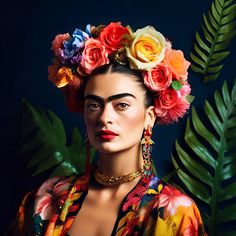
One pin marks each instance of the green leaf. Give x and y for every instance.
(193, 186)
(213, 118)
(197, 146)
(220, 105)
(196, 69)
(227, 193)
(208, 78)
(201, 43)
(207, 159)
(190, 98)
(208, 26)
(176, 85)
(226, 96)
(199, 51)
(195, 168)
(65, 168)
(204, 132)
(197, 60)
(214, 69)
(229, 171)
(45, 146)
(218, 29)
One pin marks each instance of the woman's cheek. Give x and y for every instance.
(134, 118)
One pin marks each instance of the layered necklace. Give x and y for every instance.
(115, 181)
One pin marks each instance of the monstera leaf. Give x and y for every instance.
(45, 146)
(207, 164)
(218, 28)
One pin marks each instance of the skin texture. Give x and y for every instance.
(115, 102)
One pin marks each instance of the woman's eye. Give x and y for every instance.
(93, 106)
(122, 106)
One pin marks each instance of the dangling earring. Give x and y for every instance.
(146, 151)
(88, 156)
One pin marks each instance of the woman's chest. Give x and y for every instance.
(97, 216)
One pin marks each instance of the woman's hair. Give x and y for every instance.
(124, 69)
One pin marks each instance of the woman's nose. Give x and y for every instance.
(107, 114)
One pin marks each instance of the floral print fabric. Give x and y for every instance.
(152, 207)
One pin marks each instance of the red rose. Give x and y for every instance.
(159, 78)
(167, 98)
(112, 36)
(57, 43)
(93, 56)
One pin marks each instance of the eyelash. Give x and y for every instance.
(93, 106)
(97, 107)
(122, 105)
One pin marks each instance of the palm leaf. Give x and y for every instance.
(44, 143)
(210, 48)
(207, 164)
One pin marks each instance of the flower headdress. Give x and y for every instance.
(163, 68)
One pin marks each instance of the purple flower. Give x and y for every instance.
(73, 47)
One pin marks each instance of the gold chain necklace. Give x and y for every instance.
(115, 181)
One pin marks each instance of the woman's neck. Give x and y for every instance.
(120, 163)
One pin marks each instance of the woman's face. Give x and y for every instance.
(114, 112)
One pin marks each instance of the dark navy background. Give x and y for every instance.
(27, 29)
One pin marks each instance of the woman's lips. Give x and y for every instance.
(106, 134)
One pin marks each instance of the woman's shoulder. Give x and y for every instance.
(171, 197)
(56, 184)
(53, 193)
(176, 208)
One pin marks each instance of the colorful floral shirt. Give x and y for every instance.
(152, 207)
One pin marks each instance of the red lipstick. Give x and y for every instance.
(106, 134)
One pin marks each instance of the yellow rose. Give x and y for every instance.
(64, 76)
(147, 49)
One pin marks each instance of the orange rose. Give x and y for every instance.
(112, 36)
(64, 76)
(177, 63)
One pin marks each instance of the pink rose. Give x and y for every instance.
(112, 36)
(185, 90)
(57, 43)
(177, 63)
(93, 56)
(157, 79)
(173, 114)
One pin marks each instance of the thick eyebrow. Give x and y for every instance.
(111, 98)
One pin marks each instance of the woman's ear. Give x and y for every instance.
(150, 117)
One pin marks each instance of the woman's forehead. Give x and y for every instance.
(113, 83)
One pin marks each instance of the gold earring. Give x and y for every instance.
(147, 143)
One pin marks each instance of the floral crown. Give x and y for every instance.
(164, 69)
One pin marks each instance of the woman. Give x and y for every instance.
(123, 82)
